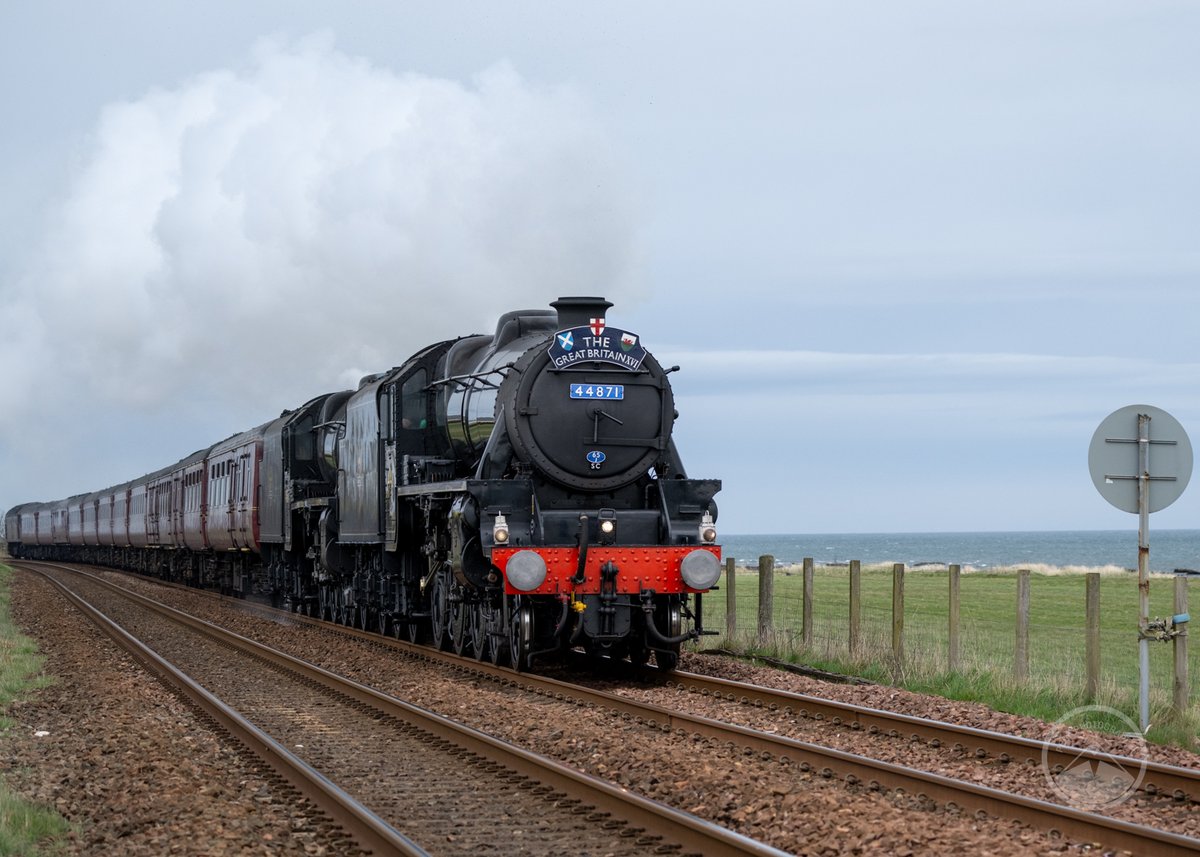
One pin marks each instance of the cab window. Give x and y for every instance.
(414, 401)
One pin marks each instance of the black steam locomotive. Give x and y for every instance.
(509, 496)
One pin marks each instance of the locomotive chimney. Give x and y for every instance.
(579, 311)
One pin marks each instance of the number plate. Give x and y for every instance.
(597, 391)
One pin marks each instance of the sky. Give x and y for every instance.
(907, 255)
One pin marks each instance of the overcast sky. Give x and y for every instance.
(908, 255)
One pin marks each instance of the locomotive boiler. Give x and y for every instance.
(510, 496)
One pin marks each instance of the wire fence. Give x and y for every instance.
(989, 617)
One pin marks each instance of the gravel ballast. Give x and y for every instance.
(224, 800)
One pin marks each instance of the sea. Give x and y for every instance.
(1170, 550)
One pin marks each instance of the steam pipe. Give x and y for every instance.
(562, 623)
(657, 635)
(583, 550)
(562, 620)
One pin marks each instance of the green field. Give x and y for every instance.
(1057, 666)
(23, 827)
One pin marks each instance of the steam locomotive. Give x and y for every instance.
(511, 497)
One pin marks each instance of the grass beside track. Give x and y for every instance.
(25, 829)
(1057, 640)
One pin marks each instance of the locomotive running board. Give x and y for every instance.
(454, 486)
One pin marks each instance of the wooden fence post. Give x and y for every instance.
(1021, 657)
(897, 620)
(806, 634)
(1182, 691)
(855, 608)
(730, 599)
(955, 658)
(1093, 635)
(766, 597)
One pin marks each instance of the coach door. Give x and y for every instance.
(152, 513)
(231, 469)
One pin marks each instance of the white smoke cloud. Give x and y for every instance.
(253, 237)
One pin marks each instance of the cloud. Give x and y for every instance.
(254, 236)
(933, 424)
(949, 372)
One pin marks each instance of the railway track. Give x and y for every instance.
(834, 764)
(437, 781)
(1180, 784)
(859, 770)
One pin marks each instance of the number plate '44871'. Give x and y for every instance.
(597, 391)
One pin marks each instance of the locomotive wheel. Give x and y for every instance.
(439, 610)
(480, 647)
(460, 626)
(341, 610)
(415, 630)
(668, 660)
(499, 651)
(520, 633)
(326, 605)
(498, 636)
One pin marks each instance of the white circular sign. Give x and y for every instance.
(1114, 455)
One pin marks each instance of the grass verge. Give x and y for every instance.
(25, 829)
(1057, 638)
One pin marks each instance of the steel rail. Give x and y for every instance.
(1176, 782)
(1181, 784)
(861, 770)
(855, 769)
(692, 832)
(1159, 778)
(359, 822)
